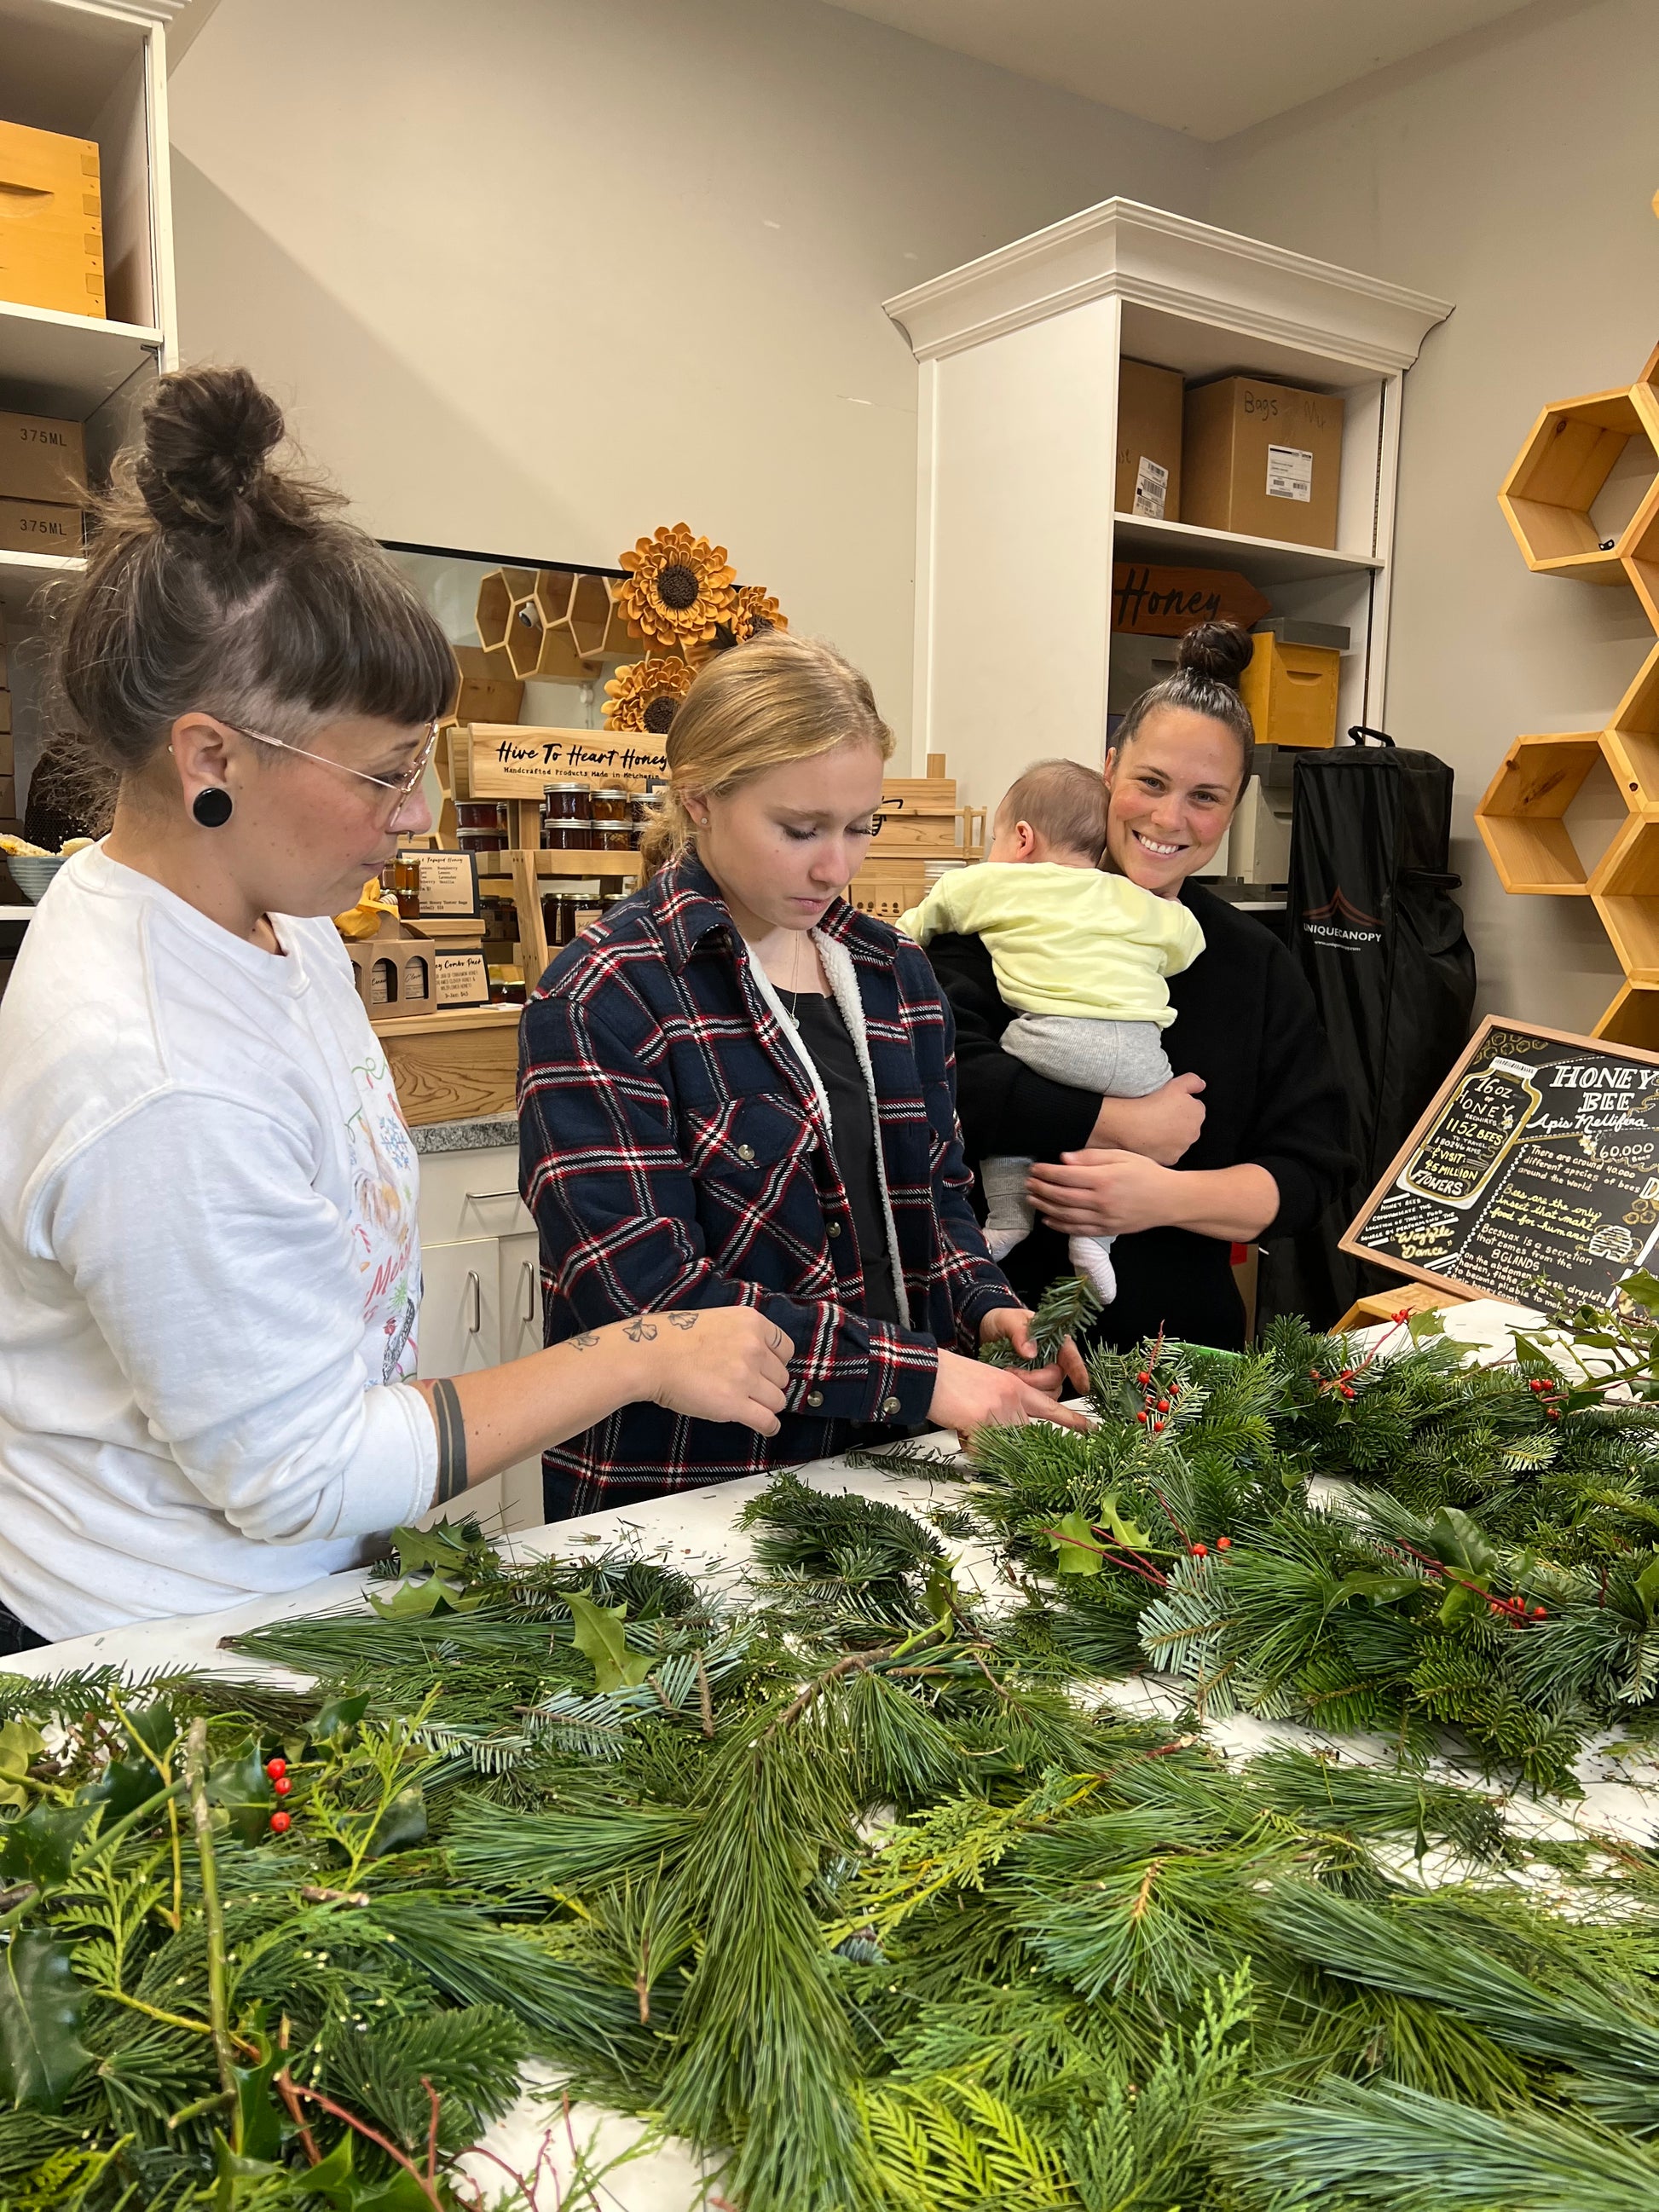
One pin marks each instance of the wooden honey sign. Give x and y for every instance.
(513, 760)
(1152, 602)
(1534, 1175)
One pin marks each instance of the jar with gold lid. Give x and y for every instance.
(613, 820)
(566, 817)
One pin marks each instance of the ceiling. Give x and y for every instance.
(1208, 67)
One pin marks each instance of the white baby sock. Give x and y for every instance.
(1092, 1257)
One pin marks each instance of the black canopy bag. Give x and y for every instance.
(1373, 924)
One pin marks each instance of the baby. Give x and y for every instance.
(1081, 956)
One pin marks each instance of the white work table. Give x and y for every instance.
(697, 1532)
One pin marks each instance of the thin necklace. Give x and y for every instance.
(794, 971)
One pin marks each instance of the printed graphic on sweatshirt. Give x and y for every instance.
(384, 1230)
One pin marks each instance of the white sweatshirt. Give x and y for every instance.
(209, 1270)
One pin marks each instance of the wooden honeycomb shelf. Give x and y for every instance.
(1549, 499)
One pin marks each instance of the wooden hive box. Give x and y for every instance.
(51, 221)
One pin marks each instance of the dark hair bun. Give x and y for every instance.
(1219, 650)
(207, 433)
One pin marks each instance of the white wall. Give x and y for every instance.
(535, 276)
(1509, 172)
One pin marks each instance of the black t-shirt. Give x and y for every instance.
(1245, 1021)
(852, 1131)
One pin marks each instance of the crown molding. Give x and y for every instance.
(1121, 249)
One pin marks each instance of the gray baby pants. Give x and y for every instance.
(1120, 1059)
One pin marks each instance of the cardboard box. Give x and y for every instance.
(5, 732)
(1264, 459)
(8, 743)
(1149, 412)
(41, 458)
(1291, 693)
(7, 797)
(51, 220)
(28, 526)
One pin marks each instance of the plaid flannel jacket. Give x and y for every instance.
(673, 1154)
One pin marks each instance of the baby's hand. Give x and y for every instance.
(1160, 1126)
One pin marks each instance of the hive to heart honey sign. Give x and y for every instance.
(512, 760)
(1149, 602)
(1534, 1175)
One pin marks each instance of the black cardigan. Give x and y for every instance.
(1246, 1023)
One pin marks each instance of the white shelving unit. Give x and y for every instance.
(94, 69)
(1018, 356)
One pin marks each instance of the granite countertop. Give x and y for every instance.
(465, 1136)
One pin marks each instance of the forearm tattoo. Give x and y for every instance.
(452, 1441)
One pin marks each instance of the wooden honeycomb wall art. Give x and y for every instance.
(1549, 500)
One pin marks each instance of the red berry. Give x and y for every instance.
(1538, 1383)
(274, 1767)
(1156, 1426)
(1539, 1614)
(1348, 1391)
(1145, 1376)
(281, 1785)
(1140, 1417)
(1200, 1551)
(1404, 1314)
(1552, 1412)
(1224, 1543)
(280, 1821)
(1162, 1404)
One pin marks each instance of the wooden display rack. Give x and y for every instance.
(921, 822)
(555, 623)
(1548, 499)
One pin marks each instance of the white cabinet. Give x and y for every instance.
(482, 1301)
(1016, 534)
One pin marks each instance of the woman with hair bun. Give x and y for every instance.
(736, 1090)
(1250, 1138)
(210, 1271)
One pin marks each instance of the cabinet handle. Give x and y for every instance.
(528, 1276)
(476, 1292)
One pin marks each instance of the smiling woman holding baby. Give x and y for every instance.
(1068, 994)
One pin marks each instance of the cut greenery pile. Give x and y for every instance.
(854, 1885)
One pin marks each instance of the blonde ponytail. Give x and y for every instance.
(773, 699)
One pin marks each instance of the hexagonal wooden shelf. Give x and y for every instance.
(1562, 471)
(553, 622)
(1633, 1017)
(1631, 740)
(1520, 818)
(1626, 891)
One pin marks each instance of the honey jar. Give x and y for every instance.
(613, 820)
(566, 817)
(559, 918)
(481, 825)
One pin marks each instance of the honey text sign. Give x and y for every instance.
(511, 760)
(1534, 1175)
(1150, 602)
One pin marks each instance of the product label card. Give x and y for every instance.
(449, 884)
(1152, 489)
(459, 978)
(1290, 473)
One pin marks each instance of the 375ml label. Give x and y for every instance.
(31, 527)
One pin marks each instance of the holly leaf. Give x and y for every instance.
(256, 2109)
(338, 1717)
(944, 1599)
(402, 1823)
(1420, 1325)
(121, 1789)
(601, 1638)
(1647, 1587)
(21, 1744)
(1381, 1589)
(40, 1844)
(1129, 1533)
(1643, 1289)
(1461, 1599)
(41, 2056)
(156, 1726)
(240, 2180)
(242, 1785)
(421, 1601)
(1077, 1548)
(447, 1547)
(1457, 1541)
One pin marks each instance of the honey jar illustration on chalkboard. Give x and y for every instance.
(1475, 1128)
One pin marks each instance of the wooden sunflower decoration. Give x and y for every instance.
(754, 611)
(645, 695)
(678, 588)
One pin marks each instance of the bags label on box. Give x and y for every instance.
(1290, 473)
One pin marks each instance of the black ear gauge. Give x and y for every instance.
(211, 806)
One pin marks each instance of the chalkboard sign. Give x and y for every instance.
(1534, 1175)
